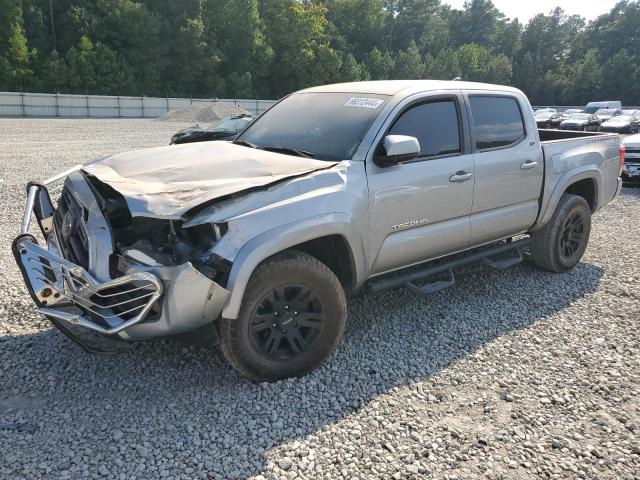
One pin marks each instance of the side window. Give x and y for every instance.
(434, 124)
(497, 121)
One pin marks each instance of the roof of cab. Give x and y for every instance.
(405, 87)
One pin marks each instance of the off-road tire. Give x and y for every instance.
(288, 268)
(546, 244)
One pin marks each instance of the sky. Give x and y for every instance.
(524, 10)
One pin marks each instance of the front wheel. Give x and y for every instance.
(560, 245)
(292, 317)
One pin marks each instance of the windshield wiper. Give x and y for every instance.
(289, 151)
(244, 144)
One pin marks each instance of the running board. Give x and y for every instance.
(409, 277)
(505, 263)
(432, 288)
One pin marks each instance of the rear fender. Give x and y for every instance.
(563, 183)
(286, 236)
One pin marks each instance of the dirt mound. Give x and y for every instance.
(202, 113)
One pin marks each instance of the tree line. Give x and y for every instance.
(268, 48)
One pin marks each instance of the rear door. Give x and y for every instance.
(420, 209)
(509, 166)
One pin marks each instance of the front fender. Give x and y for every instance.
(286, 236)
(588, 172)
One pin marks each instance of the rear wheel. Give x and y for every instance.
(292, 317)
(560, 245)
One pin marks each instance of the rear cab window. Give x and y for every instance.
(435, 124)
(497, 121)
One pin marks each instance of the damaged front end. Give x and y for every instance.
(106, 272)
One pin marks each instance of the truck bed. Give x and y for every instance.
(568, 151)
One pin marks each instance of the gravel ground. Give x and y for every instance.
(513, 375)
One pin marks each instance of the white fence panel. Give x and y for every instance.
(38, 104)
(131, 107)
(15, 104)
(103, 106)
(12, 103)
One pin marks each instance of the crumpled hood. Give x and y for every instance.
(166, 182)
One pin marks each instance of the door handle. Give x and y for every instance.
(460, 176)
(528, 165)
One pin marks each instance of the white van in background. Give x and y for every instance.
(593, 107)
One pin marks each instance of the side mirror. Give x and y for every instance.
(398, 149)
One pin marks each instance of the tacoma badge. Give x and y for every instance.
(411, 224)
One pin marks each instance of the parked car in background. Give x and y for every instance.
(549, 119)
(631, 171)
(622, 124)
(605, 114)
(571, 111)
(593, 107)
(225, 129)
(631, 112)
(581, 121)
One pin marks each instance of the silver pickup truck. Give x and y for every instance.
(341, 188)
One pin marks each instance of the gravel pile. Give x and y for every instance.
(513, 375)
(202, 113)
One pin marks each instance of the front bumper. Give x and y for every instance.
(144, 302)
(68, 292)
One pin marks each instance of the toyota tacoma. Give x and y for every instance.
(342, 188)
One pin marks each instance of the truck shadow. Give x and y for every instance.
(164, 394)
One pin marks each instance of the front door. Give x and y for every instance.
(420, 209)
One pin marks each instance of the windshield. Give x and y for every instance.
(579, 116)
(231, 124)
(327, 125)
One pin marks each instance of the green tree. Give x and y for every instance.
(95, 68)
(358, 26)
(419, 23)
(379, 64)
(446, 65)
(584, 80)
(16, 64)
(235, 30)
(247, 48)
(410, 64)
(297, 33)
(618, 77)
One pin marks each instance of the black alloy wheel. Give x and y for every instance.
(572, 236)
(286, 322)
(292, 316)
(561, 243)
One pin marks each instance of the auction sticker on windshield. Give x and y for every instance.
(363, 102)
